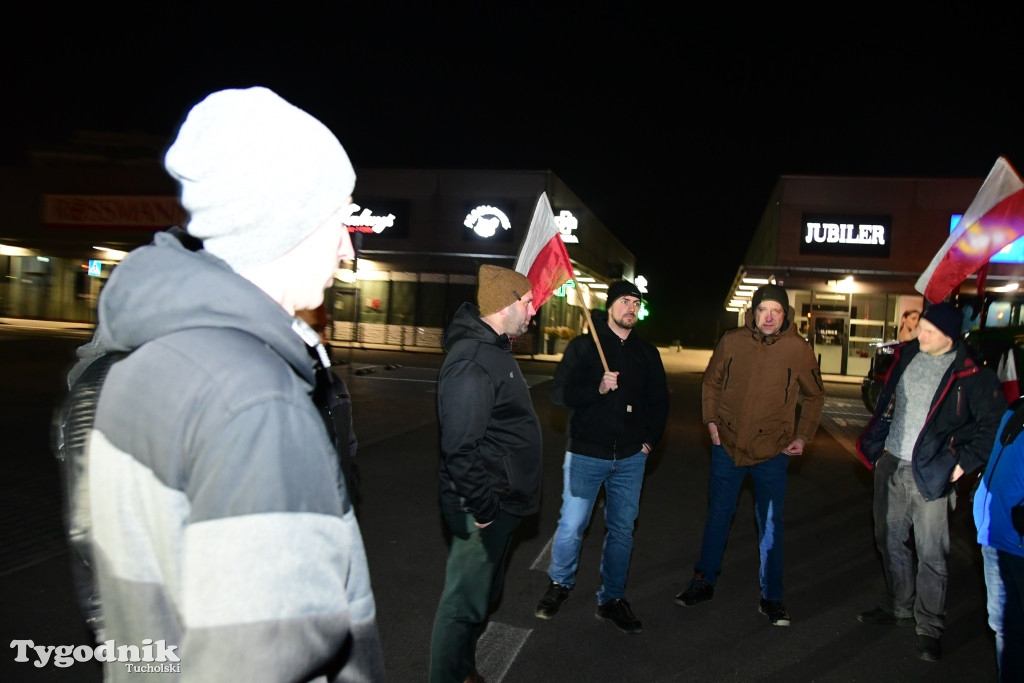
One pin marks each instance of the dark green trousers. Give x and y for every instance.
(473, 582)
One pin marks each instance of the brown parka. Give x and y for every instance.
(762, 391)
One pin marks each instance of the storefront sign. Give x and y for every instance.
(122, 212)
(485, 220)
(566, 223)
(1011, 253)
(366, 222)
(844, 235)
(380, 220)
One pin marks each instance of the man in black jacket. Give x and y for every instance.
(490, 462)
(935, 420)
(617, 415)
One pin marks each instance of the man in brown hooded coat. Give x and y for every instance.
(757, 376)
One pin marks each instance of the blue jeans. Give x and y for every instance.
(899, 508)
(473, 582)
(582, 478)
(996, 595)
(769, 498)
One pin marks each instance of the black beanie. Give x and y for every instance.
(945, 317)
(776, 293)
(622, 288)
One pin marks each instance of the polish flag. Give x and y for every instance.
(543, 257)
(1007, 373)
(993, 220)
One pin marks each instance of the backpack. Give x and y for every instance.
(73, 423)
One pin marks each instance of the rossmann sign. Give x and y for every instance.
(845, 235)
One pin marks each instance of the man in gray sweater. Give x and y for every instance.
(935, 420)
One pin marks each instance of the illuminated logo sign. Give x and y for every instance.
(122, 212)
(566, 223)
(95, 268)
(844, 235)
(1011, 253)
(366, 222)
(485, 221)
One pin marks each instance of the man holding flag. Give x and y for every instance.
(615, 387)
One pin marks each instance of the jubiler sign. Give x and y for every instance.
(841, 235)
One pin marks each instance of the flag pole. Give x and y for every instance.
(593, 330)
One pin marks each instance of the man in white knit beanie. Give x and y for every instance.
(219, 521)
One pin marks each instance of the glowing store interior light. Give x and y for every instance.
(112, 254)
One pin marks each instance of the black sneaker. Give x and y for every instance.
(699, 591)
(879, 617)
(552, 599)
(775, 611)
(929, 648)
(621, 614)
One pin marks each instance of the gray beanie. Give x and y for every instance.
(258, 175)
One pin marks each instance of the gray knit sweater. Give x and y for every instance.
(914, 395)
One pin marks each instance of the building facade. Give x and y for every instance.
(849, 251)
(420, 237)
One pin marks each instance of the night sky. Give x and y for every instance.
(672, 124)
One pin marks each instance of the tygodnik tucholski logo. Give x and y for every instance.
(151, 657)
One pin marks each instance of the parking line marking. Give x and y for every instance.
(543, 559)
(497, 648)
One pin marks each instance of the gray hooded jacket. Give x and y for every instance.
(217, 525)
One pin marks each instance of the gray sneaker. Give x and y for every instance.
(552, 599)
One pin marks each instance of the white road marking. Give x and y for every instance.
(543, 559)
(497, 648)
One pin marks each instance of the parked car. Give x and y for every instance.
(872, 384)
(992, 343)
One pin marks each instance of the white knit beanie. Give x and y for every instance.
(258, 175)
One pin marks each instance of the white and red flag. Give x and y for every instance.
(993, 220)
(1007, 373)
(543, 258)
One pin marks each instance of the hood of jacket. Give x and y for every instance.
(467, 325)
(164, 287)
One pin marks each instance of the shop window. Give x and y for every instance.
(403, 303)
(373, 297)
(457, 294)
(998, 314)
(430, 310)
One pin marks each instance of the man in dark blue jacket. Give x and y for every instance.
(490, 462)
(935, 420)
(617, 416)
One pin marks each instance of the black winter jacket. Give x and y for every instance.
(616, 424)
(490, 435)
(961, 424)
